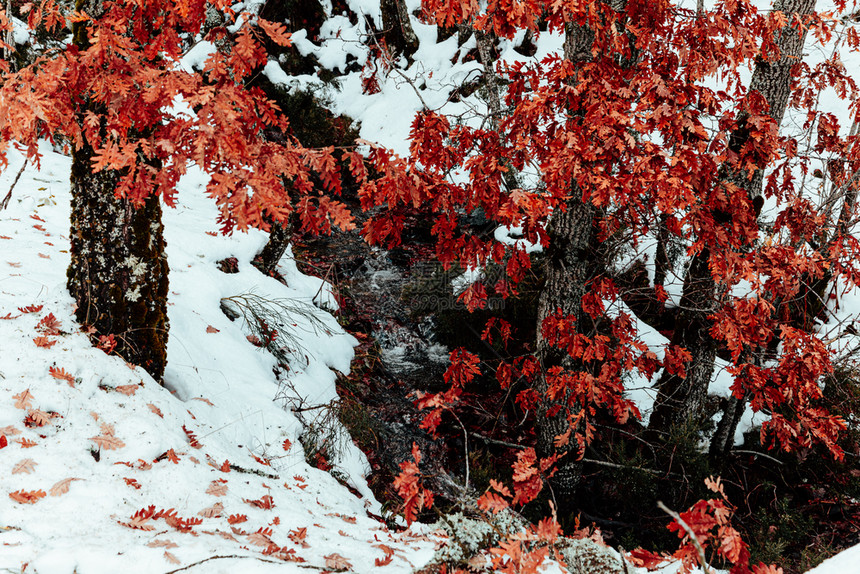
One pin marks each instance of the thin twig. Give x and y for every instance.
(465, 445)
(222, 558)
(584, 459)
(755, 452)
(393, 66)
(702, 561)
(5, 202)
(623, 466)
(496, 441)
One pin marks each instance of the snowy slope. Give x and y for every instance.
(219, 386)
(99, 455)
(847, 562)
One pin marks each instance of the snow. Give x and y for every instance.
(20, 32)
(847, 562)
(218, 386)
(506, 235)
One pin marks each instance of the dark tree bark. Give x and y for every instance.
(118, 270)
(484, 42)
(678, 399)
(397, 28)
(571, 265)
(276, 246)
(682, 398)
(662, 264)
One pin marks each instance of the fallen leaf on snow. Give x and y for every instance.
(345, 518)
(298, 536)
(217, 488)
(62, 375)
(171, 558)
(132, 483)
(108, 442)
(49, 325)
(25, 466)
(337, 562)
(128, 390)
(213, 511)
(38, 418)
(27, 496)
(260, 538)
(44, 342)
(389, 554)
(266, 502)
(62, 487)
(226, 535)
(31, 308)
(138, 523)
(23, 399)
(162, 544)
(155, 409)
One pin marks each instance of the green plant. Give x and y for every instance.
(777, 528)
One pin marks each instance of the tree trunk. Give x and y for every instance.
(680, 400)
(398, 31)
(484, 42)
(571, 264)
(118, 270)
(279, 240)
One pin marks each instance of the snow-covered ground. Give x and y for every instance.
(91, 443)
(105, 470)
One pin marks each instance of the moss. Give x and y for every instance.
(363, 427)
(310, 121)
(777, 528)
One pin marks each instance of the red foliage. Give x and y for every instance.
(409, 487)
(140, 519)
(133, 73)
(646, 140)
(709, 521)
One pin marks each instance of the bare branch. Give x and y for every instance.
(5, 203)
(690, 533)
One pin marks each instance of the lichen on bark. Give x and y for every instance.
(118, 269)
